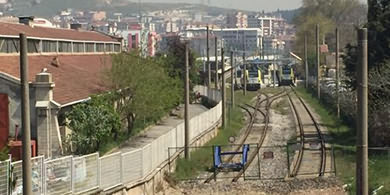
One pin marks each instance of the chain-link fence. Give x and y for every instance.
(263, 163)
(310, 160)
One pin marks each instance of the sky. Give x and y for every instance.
(251, 5)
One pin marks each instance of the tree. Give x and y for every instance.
(329, 14)
(175, 61)
(379, 70)
(143, 89)
(92, 123)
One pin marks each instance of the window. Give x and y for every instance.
(9, 45)
(78, 47)
(32, 46)
(117, 48)
(99, 47)
(89, 47)
(64, 47)
(49, 46)
(109, 47)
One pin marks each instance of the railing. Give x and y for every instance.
(83, 174)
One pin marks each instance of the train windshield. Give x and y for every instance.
(238, 73)
(286, 71)
(253, 74)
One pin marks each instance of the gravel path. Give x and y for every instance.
(317, 186)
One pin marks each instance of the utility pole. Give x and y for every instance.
(223, 90)
(274, 67)
(186, 106)
(306, 64)
(244, 62)
(208, 58)
(26, 138)
(337, 73)
(216, 63)
(244, 73)
(362, 134)
(318, 61)
(232, 76)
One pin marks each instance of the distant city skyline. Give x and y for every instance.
(250, 5)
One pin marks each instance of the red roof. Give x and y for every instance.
(52, 33)
(77, 77)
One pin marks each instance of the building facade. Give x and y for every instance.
(65, 68)
(248, 39)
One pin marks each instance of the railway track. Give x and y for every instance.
(242, 139)
(269, 101)
(256, 109)
(306, 121)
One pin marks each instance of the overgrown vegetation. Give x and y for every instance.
(343, 139)
(143, 89)
(93, 123)
(379, 71)
(329, 14)
(201, 158)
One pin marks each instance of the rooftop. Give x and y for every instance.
(12, 29)
(76, 77)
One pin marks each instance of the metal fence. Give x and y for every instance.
(83, 174)
(4, 177)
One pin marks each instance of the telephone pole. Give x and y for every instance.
(362, 122)
(223, 90)
(26, 138)
(274, 68)
(208, 58)
(306, 64)
(244, 73)
(216, 63)
(318, 61)
(337, 73)
(232, 76)
(186, 106)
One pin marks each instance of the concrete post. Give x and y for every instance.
(186, 106)
(274, 68)
(362, 122)
(216, 63)
(337, 73)
(318, 61)
(244, 73)
(232, 76)
(208, 59)
(223, 90)
(26, 138)
(306, 64)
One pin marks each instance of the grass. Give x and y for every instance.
(201, 158)
(271, 90)
(343, 140)
(281, 107)
(123, 137)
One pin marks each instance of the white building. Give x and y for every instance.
(249, 39)
(272, 25)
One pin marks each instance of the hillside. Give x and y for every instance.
(49, 8)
